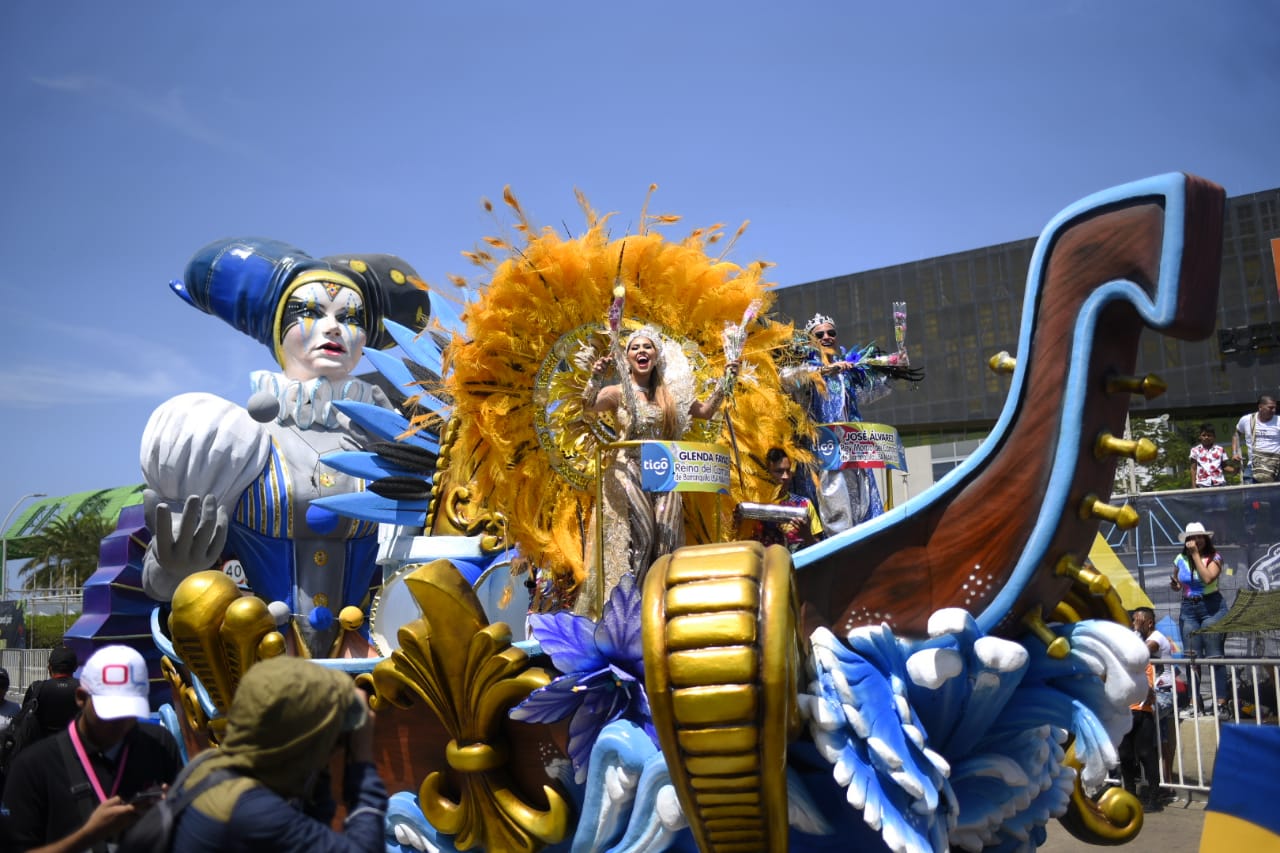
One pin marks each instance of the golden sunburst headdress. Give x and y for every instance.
(516, 377)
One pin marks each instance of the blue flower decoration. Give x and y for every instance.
(603, 666)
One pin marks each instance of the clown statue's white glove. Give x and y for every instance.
(181, 543)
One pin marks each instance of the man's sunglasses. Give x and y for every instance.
(829, 333)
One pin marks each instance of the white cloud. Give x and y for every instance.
(92, 364)
(167, 110)
(44, 386)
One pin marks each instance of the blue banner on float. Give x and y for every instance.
(684, 466)
(859, 445)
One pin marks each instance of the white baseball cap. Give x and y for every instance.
(117, 681)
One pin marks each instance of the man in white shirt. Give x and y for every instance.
(1260, 433)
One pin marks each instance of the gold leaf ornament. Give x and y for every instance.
(467, 672)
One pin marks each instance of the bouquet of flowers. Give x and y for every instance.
(896, 365)
(735, 337)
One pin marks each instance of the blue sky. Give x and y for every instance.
(852, 136)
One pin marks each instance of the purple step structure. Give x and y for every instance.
(115, 609)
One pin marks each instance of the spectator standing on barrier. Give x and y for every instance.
(1208, 470)
(1260, 434)
(1195, 574)
(1207, 459)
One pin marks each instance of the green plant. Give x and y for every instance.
(47, 631)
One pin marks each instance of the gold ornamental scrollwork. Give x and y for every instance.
(456, 509)
(1115, 817)
(469, 675)
(462, 515)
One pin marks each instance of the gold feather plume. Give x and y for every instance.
(516, 386)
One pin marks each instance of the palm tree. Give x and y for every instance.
(65, 551)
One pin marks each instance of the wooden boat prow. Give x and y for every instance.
(990, 536)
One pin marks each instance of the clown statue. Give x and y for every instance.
(231, 483)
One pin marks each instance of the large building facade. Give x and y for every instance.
(964, 308)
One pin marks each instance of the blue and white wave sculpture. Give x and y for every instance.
(954, 743)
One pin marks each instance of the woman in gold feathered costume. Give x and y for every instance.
(526, 436)
(650, 402)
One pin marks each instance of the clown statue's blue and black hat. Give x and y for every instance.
(246, 281)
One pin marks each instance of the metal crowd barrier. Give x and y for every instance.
(1251, 697)
(24, 666)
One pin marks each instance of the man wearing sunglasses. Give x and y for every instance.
(830, 384)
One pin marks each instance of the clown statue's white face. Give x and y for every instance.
(323, 331)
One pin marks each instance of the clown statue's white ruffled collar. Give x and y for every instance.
(308, 403)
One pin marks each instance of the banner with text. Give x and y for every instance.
(13, 628)
(684, 466)
(860, 445)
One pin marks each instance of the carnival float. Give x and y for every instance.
(548, 675)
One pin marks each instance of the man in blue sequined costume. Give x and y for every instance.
(830, 384)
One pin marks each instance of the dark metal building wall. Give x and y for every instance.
(964, 308)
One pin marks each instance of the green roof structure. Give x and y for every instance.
(37, 515)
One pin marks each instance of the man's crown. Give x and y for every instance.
(818, 320)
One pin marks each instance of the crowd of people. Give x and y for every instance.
(1197, 571)
(94, 773)
(1254, 454)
